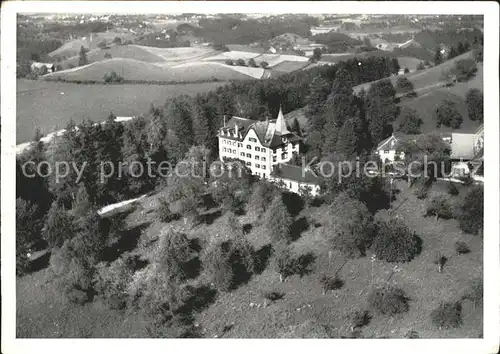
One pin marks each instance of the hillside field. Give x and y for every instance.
(51, 105)
(134, 70)
(425, 78)
(72, 47)
(303, 311)
(116, 51)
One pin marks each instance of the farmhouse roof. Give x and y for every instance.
(39, 65)
(295, 173)
(462, 146)
(395, 140)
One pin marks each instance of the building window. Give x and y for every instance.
(284, 148)
(234, 143)
(256, 157)
(224, 149)
(257, 165)
(253, 140)
(248, 163)
(284, 155)
(386, 151)
(234, 152)
(257, 148)
(263, 158)
(263, 150)
(263, 175)
(274, 158)
(263, 167)
(249, 147)
(242, 154)
(240, 145)
(249, 156)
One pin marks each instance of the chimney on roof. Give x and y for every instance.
(224, 120)
(236, 130)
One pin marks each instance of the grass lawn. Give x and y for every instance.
(51, 105)
(426, 104)
(303, 311)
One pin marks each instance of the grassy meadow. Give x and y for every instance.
(51, 105)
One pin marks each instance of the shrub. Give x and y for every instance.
(461, 247)
(356, 318)
(22, 261)
(411, 334)
(73, 273)
(164, 212)
(388, 299)
(330, 283)
(439, 207)
(467, 180)
(474, 291)
(283, 261)
(111, 281)
(217, 264)
(421, 191)
(351, 227)
(278, 221)
(28, 223)
(447, 315)
(452, 189)
(252, 63)
(161, 298)
(102, 44)
(447, 114)
(475, 106)
(229, 62)
(406, 70)
(421, 66)
(112, 77)
(107, 55)
(470, 211)
(173, 254)
(404, 85)
(240, 62)
(264, 64)
(70, 66)
(117, 40)
(394, 242)
(59, 226)
(261, 197)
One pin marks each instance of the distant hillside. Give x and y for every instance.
(72, 47)
(143, 53)
(426, 105)
(425, 78)
(118, 51)
(134, 70)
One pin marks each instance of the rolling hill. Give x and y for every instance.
(426, 78)
(139, 71)
(72, 47)
(143, 53)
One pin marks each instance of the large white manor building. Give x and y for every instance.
(264, 146)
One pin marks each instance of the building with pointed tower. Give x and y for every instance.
(262, 146)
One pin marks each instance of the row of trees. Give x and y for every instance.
(251, 63)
